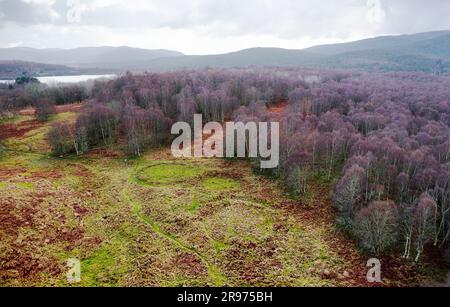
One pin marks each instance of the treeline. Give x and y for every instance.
(137, 111)
(31, 93)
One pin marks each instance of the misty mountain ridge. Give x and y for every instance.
(425, 52)
(14, 69)
(85, 57)
(381, 42)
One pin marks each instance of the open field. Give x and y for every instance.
(157, 221)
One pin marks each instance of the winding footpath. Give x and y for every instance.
(216, 276)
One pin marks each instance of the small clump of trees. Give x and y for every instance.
(62, 139)
(96, 125)
(44, 108)
(100, 124)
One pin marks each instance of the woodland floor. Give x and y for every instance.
(157, 221)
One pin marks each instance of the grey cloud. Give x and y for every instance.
(282, 18)
(20, 12)
(412, 16)
(287, 20)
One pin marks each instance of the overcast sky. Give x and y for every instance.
(212, 26)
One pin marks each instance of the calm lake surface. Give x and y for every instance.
(66, 79)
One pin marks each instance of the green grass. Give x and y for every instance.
(63, 117)
(195, 205)
(17, 119)
(168, 173)
(217, 278)
(25, 185)
(220, 184)
(106, 266)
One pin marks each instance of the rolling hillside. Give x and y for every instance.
(424, 52)
(87, 57)
(382, 42)
(13, 69)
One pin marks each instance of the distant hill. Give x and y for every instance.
(86, 57)
(425, 52)
(13, 69)
(243, 58)
(382, 42)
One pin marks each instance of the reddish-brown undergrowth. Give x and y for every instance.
(8, 131)
(279, 108)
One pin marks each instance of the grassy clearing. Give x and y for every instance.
(155, 221)
(134, 224)
(167, 173)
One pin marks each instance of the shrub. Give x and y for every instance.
(44, 109)
(376, 226)
(61, 139)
